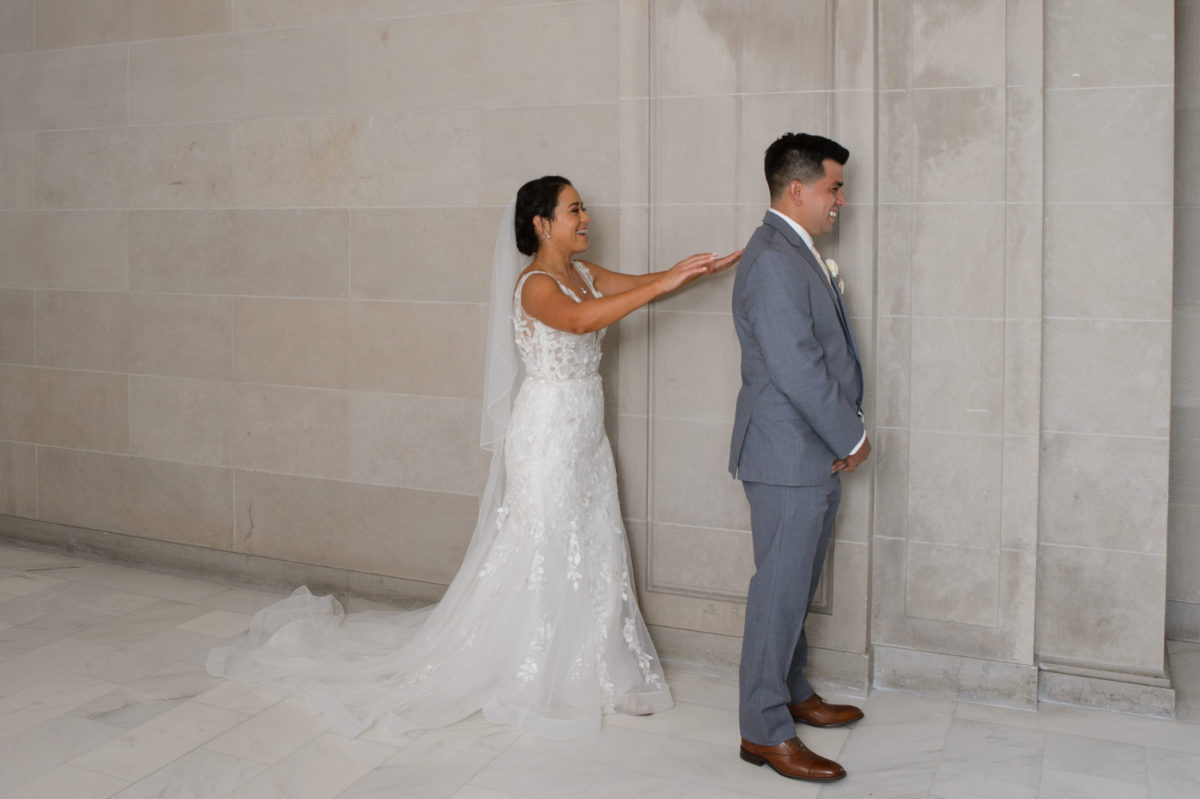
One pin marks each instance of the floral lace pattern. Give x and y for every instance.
(540, 627)
(549, 354)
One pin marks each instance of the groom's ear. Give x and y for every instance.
(796, 192)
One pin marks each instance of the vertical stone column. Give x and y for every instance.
(1107, 353)
(960, 156)
(1183, 551)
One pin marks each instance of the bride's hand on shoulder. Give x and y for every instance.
(721, 264)
(685, 271)
(694, 266)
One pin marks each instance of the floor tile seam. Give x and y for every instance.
(105, 685)
(12, 789)
(136, 592)
(250, 718)
(1042, 718)
(127, 783)
(1087, 769)
(271, 701)
(270, 598)
(194, 751)
(941, 759)
(71, 669)
(1026, 731)
(1090, 776)
(985, 777)
(1129, 740)
(633, 768)
(697, 781)
(266, 764)
(57, 590)
(129, 733)
(129, 639)
(345, 764)
(469, 780)
(174, 762)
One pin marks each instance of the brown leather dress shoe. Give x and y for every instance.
(794, 760)
(816, 712)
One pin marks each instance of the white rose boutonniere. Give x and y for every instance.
(832, 266)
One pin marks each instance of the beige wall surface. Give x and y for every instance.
(245, 252)
(721, 62)
(244, 261)
(1183, 553)
(1106, 386)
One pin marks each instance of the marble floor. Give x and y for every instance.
(103, 694)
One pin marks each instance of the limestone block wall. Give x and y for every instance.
(244, 255)
(1183, 552)
(245, 252)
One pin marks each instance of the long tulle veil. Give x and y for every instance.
(501, 364)
(352, 667)
(501, 375)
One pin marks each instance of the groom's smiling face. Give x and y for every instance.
(821, 200)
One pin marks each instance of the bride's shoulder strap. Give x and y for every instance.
(517, 304)
(526, 276)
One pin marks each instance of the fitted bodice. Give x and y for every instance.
(551, 354)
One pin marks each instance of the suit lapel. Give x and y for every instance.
(806, 255)
(844, 316)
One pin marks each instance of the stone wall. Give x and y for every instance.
(244, 251)
(1183, 554)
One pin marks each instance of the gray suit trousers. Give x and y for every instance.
(791, 527)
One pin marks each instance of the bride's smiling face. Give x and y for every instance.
(568, 228)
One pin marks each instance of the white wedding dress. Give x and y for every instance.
(540, 628)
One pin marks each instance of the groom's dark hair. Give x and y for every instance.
(538, 197)
(799, 156)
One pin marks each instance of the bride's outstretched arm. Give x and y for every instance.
(610, 282)
(542, 299)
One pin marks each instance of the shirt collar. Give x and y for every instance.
(801, 232)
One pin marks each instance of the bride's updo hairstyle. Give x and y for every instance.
(538, 197)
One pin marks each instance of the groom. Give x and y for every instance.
(798, 426)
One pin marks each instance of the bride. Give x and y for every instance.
(540, 628)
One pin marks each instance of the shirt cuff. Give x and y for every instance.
(858, 446)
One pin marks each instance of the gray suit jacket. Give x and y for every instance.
(802, 382)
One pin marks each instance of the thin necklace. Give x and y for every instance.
(580, 285)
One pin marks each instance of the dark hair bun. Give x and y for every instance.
(538, 197)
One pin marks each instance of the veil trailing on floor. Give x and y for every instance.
(307, 645)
